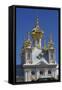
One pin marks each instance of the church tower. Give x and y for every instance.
(37, 34)
(51, 50)
(27, 51)
(27, 57)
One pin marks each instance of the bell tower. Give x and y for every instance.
(27, 51)
(51, 50)
(37, 34)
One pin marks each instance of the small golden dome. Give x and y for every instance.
(36, 33)
(27, 43)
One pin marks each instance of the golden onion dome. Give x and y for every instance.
(36, 33)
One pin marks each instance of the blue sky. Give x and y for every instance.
(25, 21)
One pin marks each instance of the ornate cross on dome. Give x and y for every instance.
(37, 21)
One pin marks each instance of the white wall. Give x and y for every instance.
(4, 44)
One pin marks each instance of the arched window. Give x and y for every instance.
(33, 72)
(49, 71)
(41, 72)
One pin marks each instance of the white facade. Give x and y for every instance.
(40, 71)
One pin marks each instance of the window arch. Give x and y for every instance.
(33, 72)
(41, 72)
(49, 71)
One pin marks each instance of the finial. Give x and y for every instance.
(51, 40)
(51, 43)
(37, 21)
(28, 35)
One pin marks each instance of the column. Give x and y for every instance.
(46, 73)
(40, 43)
(29, 75)
(25, 57)
(37, 74)
(26, 76)
(54, 74)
